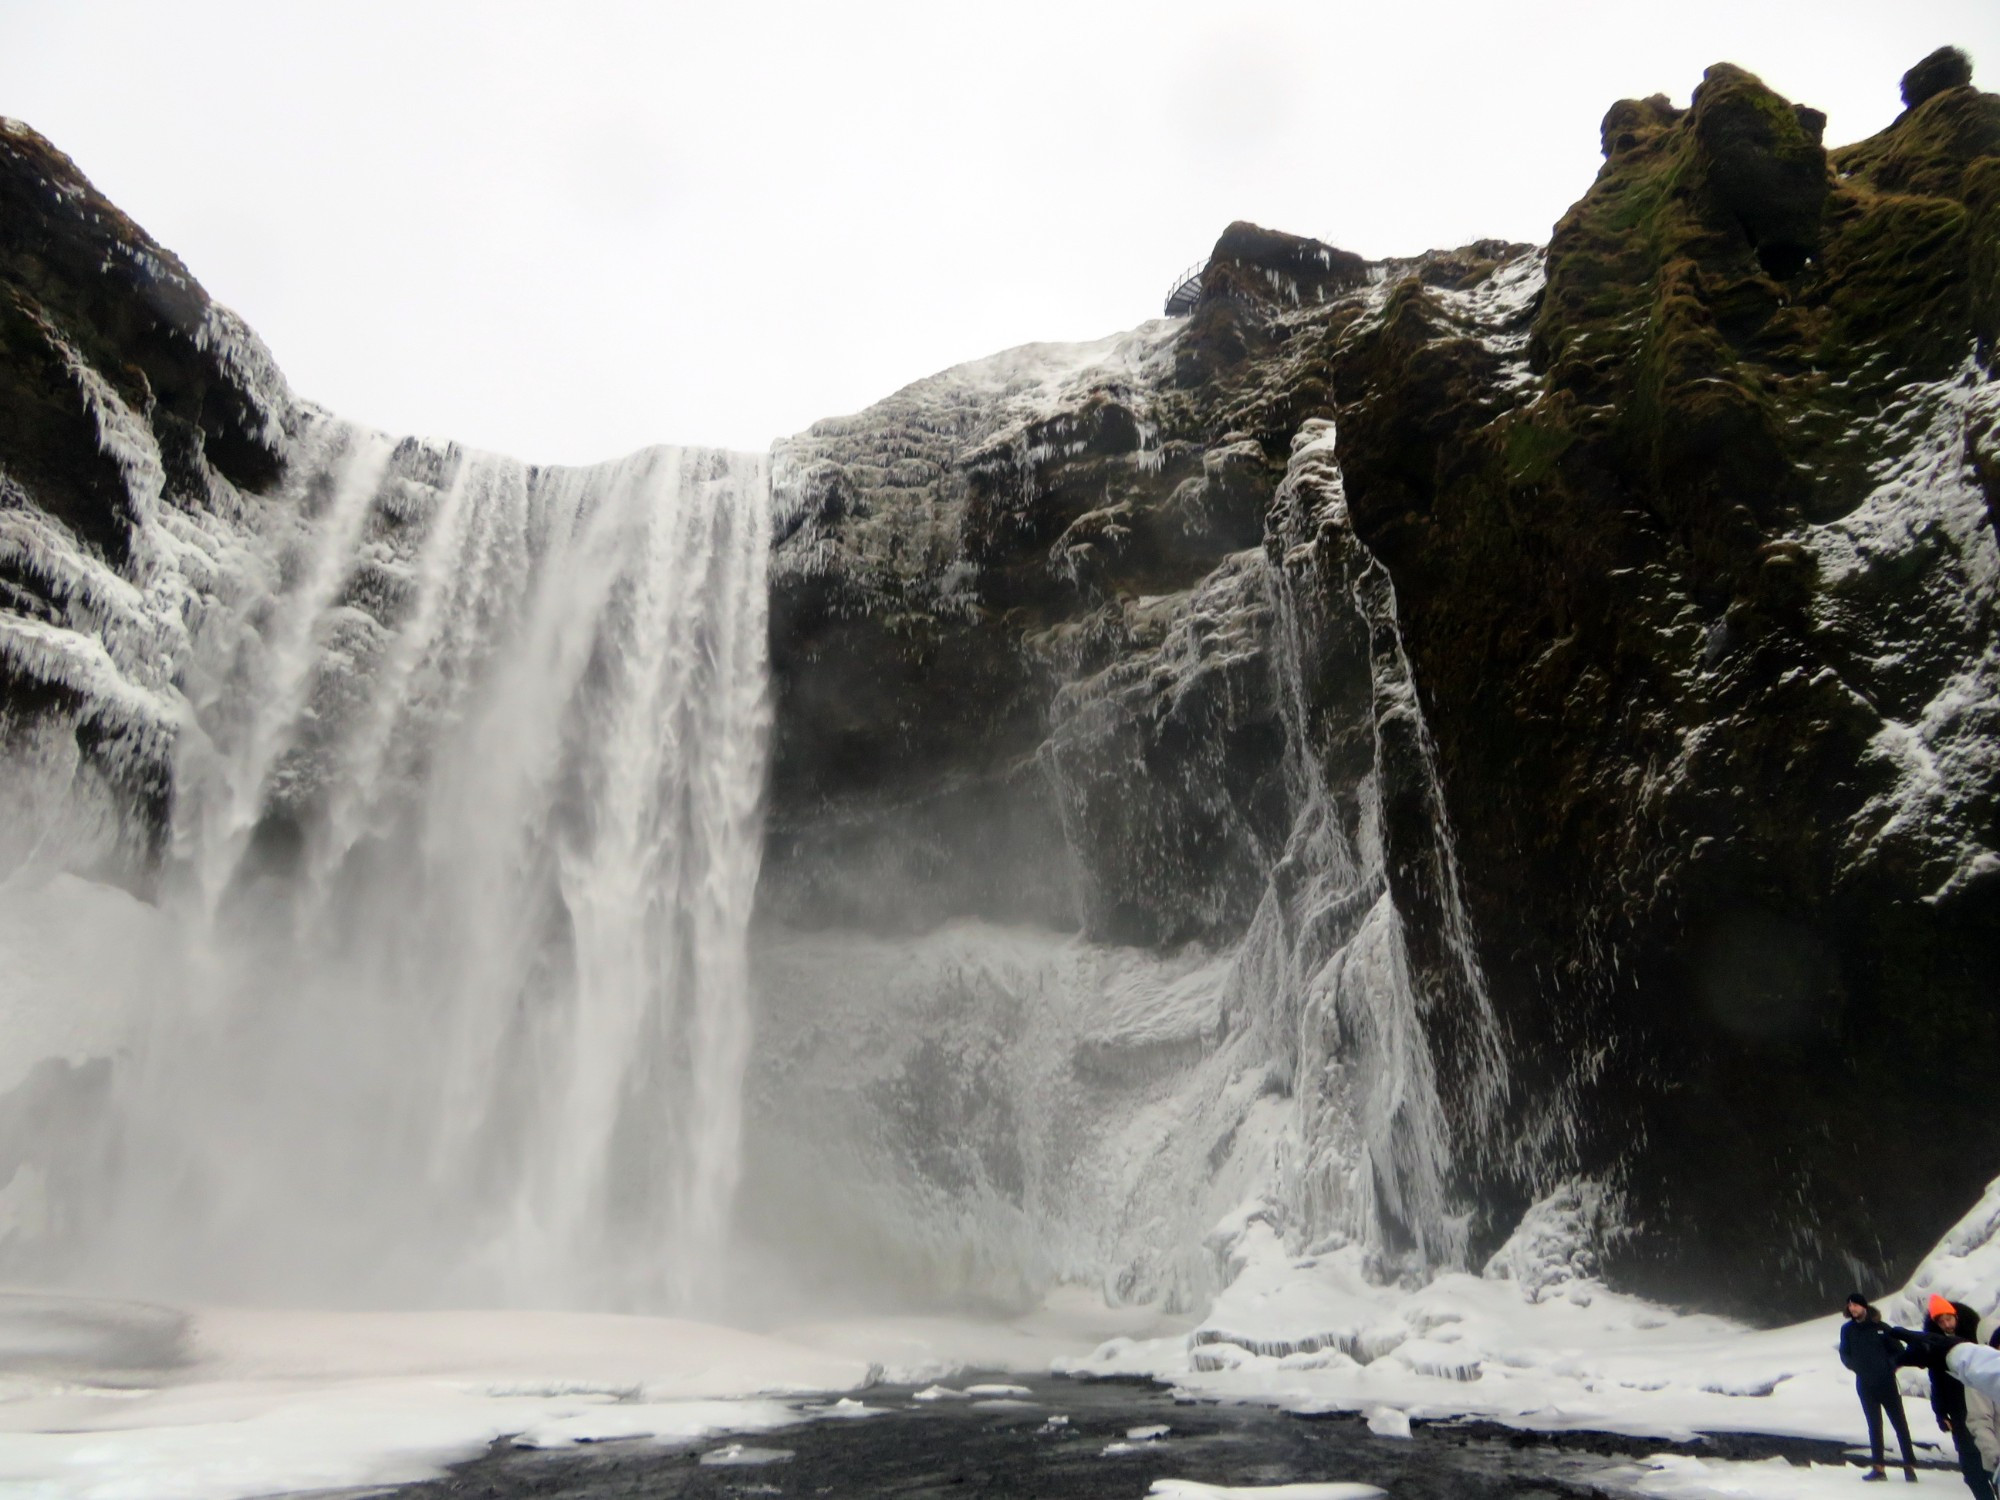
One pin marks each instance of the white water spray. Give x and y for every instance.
(465, 842)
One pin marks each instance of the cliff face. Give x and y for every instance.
(134, 415)
(999, 598)
(1705, 623)
(1691, 556)
(1528, 715)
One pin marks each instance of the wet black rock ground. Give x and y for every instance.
(959, 1450)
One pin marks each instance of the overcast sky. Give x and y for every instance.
(565, 231)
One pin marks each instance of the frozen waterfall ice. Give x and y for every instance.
(464, 842)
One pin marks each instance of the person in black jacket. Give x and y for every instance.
(1872, 1351)
(1946, 1325)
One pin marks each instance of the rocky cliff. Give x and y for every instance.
(1549, 694)
(1690, 552)
(1704, 616)
(135, 414)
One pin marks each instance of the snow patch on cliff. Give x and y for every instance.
(248, 362)
(1964, 1266)
(902, 455)
(1926, 512)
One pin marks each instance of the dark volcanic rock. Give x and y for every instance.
(86, 287)
(1019, 673)
(1946, 68)
(1671, 629)
(1187, 710)
(103, 333)
(1764, 165)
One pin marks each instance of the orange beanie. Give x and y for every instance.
(1941, 1307)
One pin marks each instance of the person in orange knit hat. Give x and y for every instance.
(1946, 1325)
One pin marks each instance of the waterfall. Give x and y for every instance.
(463, 841)
(1360, 965)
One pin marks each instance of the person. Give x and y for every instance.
(1872, 1350)
(1948, 1325)
(1982, 1420)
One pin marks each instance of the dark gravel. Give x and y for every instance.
(959, 1450)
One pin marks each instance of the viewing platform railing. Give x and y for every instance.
(1187, 290)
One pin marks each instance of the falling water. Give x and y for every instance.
(464, 843)
(1398, 1067)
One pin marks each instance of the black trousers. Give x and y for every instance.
(1876, 1399)
(1970, 1464)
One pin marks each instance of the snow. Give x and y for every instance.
(80, 664)
(1931, 665)
(1709, 1479)
(265, 1402)
(244, 357)
(970, 415)
(1498, 313)
(1314, 1334)
(274, 1401)
(1555, 1350)
(1964, 1265)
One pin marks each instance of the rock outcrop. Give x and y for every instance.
(110, 353)
(1706, 632)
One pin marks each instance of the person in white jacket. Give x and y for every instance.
(1982, 1411)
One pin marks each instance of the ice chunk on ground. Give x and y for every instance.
(736, 1455)
(846, 1409)
(1387, 1421)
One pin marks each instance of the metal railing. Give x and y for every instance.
(1187, 289)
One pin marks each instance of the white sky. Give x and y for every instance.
(564, 231)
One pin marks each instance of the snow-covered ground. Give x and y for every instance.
(1538, 1345)
(102, 1400)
